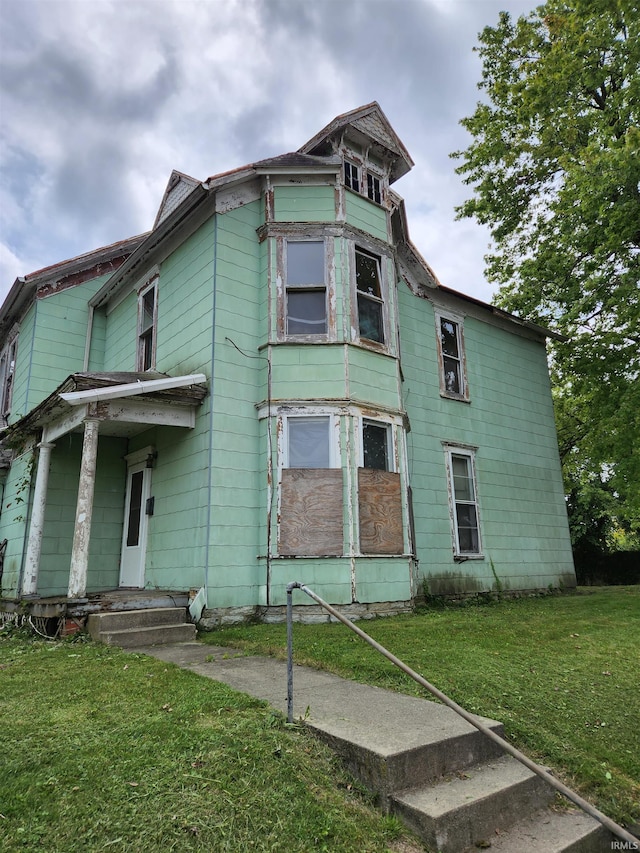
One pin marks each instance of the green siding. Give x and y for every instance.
(304, 203)
(121, 335)
(510, 420)
(373, 377)
(366, 215)
(13, 517)
(306, 372)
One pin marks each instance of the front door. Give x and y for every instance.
(134, 536)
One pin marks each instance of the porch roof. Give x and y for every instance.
(159, 399)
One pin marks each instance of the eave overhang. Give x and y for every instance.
(125, 403)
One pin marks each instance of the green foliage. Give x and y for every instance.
(561, 672)
(555, 169)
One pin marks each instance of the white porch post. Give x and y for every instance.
(84, 511)
(34, 545)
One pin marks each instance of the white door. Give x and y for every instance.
(134, 535)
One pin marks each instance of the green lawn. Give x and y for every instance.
(107, 751)
(561, 672)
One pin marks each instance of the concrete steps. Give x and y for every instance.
(149, 627)
(451, 784)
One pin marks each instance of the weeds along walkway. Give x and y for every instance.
(451, 784)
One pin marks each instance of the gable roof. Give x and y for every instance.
(368, 126)
(62, 275)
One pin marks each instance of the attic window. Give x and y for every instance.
(451, 357)
(374, 188)
(351, 176)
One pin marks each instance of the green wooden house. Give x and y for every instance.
(271, 386)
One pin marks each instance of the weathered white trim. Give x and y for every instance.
(148, 412)
(65, 424)
(34, 545)
(131, 389)
(84, 511)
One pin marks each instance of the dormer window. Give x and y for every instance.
(351, 176)
(374, 191)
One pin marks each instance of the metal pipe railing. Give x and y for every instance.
(613, 827)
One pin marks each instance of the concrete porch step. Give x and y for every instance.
(151, 626)
(465, 810)
(551, 831)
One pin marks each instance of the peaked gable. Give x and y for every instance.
(178, 188)
(368, 126)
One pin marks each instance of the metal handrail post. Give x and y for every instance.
(606, 821)
(290, 588)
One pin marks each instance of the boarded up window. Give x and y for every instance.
(311, 512)
(380, 507)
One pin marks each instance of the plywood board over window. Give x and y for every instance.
(380, 508)
(311, 512)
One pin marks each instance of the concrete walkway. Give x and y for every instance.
(370, 717)
(451, 784)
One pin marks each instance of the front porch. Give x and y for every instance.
(59, 616)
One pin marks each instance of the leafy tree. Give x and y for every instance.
(555, 169)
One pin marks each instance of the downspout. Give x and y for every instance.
(211, 403)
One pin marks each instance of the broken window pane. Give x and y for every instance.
(451, 361)
(373, 188)
(375, 444)
(351, 177)
(309, 442)
(370, 303)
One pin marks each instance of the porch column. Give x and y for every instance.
(84, 511)
(34, 545)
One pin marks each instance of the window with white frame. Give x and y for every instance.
(309, 442)
(369, 296)
(147, 326)
(376, 445)
(311, 489)
(464, 502)
(453, 381)
(306, 289)
(374, 188)
(7, 372)
(351, 176)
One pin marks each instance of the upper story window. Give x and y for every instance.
(351, 176)
(7, 372)
(369, 294)
(453, 381)
(306, 289)
(464, 502)
(374, 189)
(147, 326)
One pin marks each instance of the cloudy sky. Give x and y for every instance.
(101, 99)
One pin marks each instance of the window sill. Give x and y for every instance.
(462, 558)
(461, 398)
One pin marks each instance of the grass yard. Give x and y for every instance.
(107, 751)
(561, 672)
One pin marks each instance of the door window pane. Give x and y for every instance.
(135, 509)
